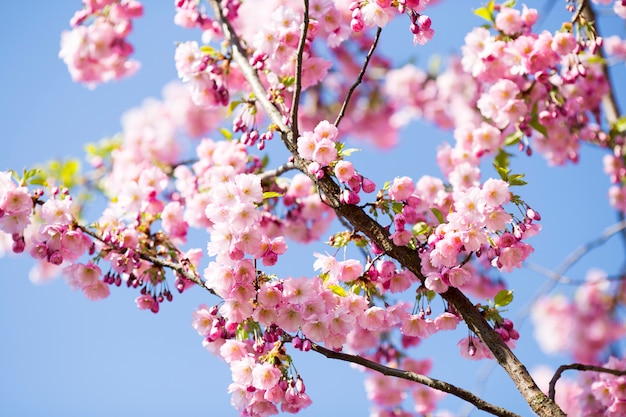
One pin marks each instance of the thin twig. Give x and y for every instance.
(415, 377)
(289, 166)
(359, 79)
(559, 274)
(578, 367)
(609, 102)
(177, 267)
(241, 57)
(295, 103)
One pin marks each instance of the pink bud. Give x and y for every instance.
(368, 185)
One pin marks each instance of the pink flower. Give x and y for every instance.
(349, 270)
(372, 319)
(447, 321)
(325, 152)
(16, 200)
(509, 21)
(306, 145)
(242, 370)
(80, 276)
(344, 171)
(326, 130)
(375, 15)
(56, 211)
(173, 222)
(265, 376)
(416, 326)
(145, 302)
(96, 291)
(401, 189)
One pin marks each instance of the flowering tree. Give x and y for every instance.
(406, 259)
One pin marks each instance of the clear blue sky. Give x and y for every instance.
(62, 355)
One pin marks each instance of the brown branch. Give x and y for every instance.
(361, 221)
(241, 57)
(609, 102)
(289, 166)
(177, 267)
(578, 367)
(359, 78)
(418, 378)
(295, 103)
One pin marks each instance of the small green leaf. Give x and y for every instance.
(232, 106)
(209, 50)
(271, 194)
(516, 179)
(501, 163)
(349, 151)
(484, 13)
(420, 228)
(228, 135)
(620, 125)
(397, 207)
(337, 289)
(437, 214)
(503, 298)
(513, 138)
(534, 123)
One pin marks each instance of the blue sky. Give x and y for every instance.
(62, 355)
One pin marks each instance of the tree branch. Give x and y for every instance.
(609, 102)
(359, 78)
(578, 367)
(177, 267)
(538, 401)
(293, 117)
(241, 58)
(415, 377)
(289, 166)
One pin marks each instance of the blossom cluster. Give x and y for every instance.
(366, 14)
(96, 49)
(586, 320)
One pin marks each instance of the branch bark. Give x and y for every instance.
(538, 401)
(609, 102)
(579, 367)
(415, 377)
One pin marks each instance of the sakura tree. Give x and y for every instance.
(244, 188)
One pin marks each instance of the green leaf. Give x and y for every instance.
(620, 125)
(349, 151)
(534, 123)
(271, 194)
(209, 50)
(503, 298)
(420, 228)
(437, 214)
(516, 179)
(486, 12)
(397, 207)
(501, 164)
(513, 138)
(228, 135)
(232, 106)
(337, 289)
